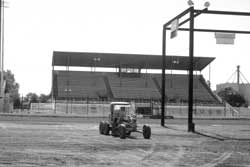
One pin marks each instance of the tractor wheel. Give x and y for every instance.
(101, 125)
(122, 131)
(146, 131)
(106, 128)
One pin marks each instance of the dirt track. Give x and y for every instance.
(58, 143)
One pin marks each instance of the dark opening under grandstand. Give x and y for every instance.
(130, 79)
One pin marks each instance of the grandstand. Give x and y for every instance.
(126, 82)
(104, 86)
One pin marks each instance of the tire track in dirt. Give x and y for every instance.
(153, 152)
(219, 160)
(175, 159)
(2, 126)
(150, 152)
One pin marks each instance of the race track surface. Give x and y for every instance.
(57, 141)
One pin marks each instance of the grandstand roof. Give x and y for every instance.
(114, 60)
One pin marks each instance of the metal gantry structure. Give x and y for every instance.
(192, 14)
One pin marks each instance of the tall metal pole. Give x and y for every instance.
(163, 97)
(1, 82)
(2, 66)
(191, 64)
(163, 77)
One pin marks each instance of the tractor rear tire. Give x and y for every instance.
(101, 125)
(106, 128)
(122, 131)
(146, 131)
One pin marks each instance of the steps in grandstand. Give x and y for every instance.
(107, 84)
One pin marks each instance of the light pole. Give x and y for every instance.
(2, 6)
(96, 59)
(1, 60)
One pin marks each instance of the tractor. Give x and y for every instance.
(122, 121)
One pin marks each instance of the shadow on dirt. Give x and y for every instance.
(221, 137)
(129, 137)
(210, 135)
(172, 128)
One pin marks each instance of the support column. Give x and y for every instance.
(191, 126)
(163, 77)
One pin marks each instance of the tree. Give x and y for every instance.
(44, 98)
(232, 97)
(32, 98)
(12, 88)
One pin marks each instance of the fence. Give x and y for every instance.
(198, 111)
(102, 109)
(81, 109)
(6, 106)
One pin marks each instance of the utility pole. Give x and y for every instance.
(1, 60)
(238, 75)
(2, 6)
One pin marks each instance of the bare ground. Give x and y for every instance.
(37, 142)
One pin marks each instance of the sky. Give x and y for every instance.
(36, 28)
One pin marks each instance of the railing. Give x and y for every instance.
(227, 106)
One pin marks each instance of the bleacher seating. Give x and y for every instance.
(97, 85)
(177, 88)
(75, 84)
(133, 88)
